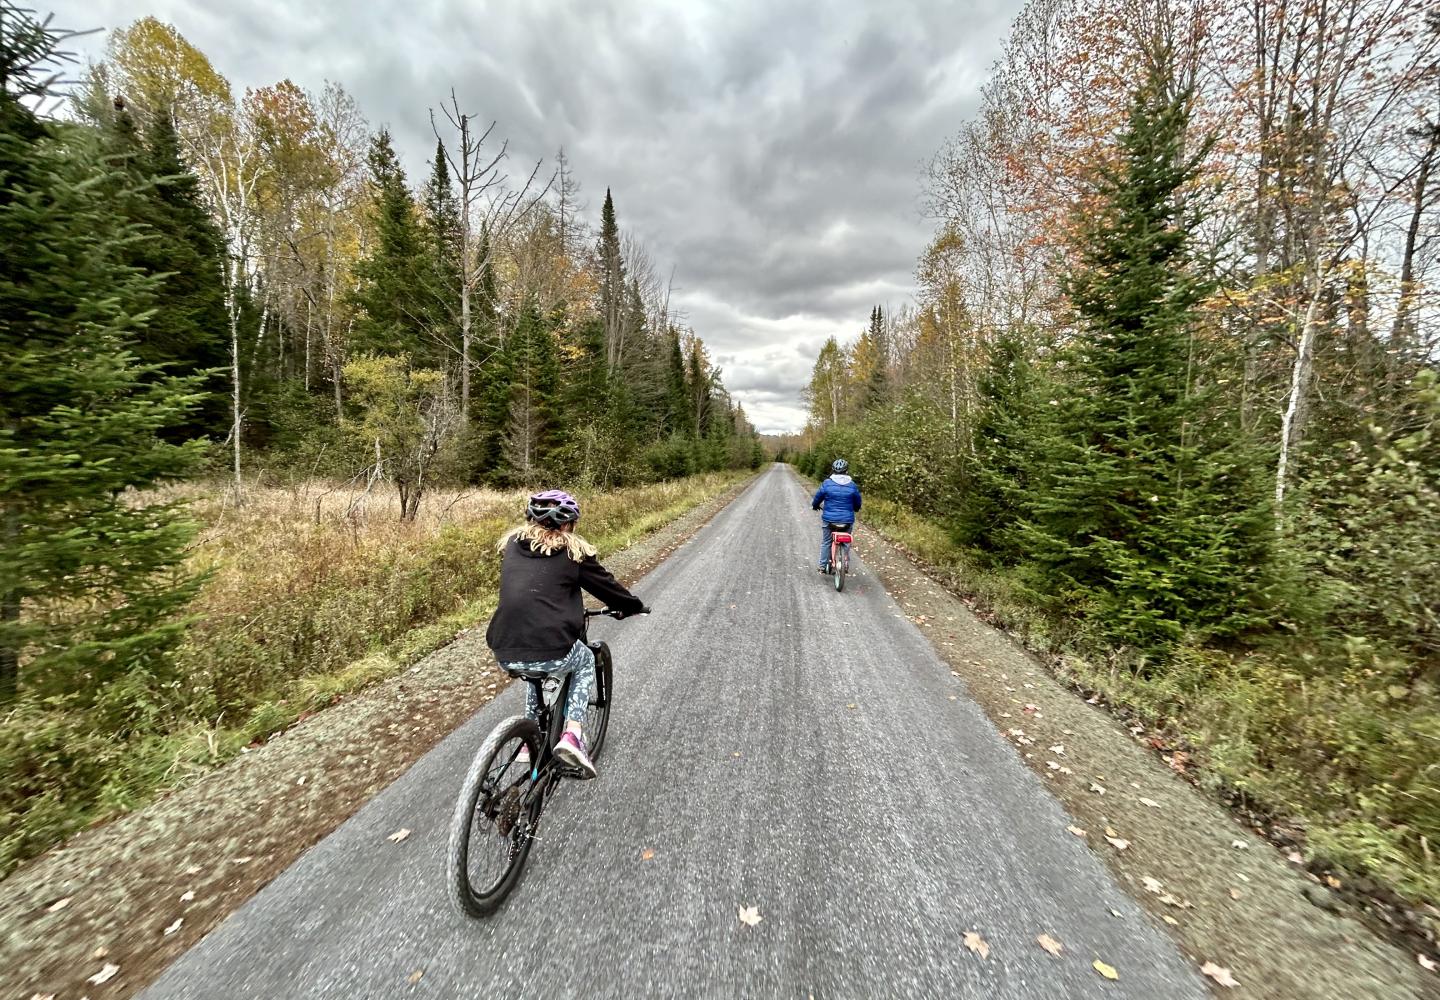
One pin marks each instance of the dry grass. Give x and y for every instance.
(313, 592)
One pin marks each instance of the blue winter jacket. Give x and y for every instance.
(837, 499)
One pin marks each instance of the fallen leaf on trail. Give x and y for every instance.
(100, 953)
(1093, 700)
(1426, 962)
(188, 896)
(1118, 843)
(1053, 765)
(398, 835)
(1169, 920)
(952, 697)
(104, 975)
(42, 996)
(1076, 830)
(301, 780)
(1065, 770)
(193, 870)
(1108, 971)
(1236, 894)
(646, 854)
(1239, 845)
(1179, 904)
(977, 944)
(1295, 858)
(1150, 802)
(1058, 750)
(1153, 885)
(173, 927)
(1221, 976)
(750, 915)
(1068, 732)
(58, 905)
(242, 861)
(1332, 881)
(1050, 944)
(414, 977)
(1099, 789)
(851, 705)
(735, 754)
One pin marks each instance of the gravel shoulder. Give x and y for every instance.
(139, 891)
(1226, 895)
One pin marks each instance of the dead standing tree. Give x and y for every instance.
(488, 209)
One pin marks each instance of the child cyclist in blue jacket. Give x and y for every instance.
(838, 500)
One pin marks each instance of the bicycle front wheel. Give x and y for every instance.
(495, 817)
(597, 713)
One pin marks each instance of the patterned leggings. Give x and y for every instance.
(580, 662)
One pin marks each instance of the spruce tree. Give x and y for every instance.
(443, 238)
(612, 281)
(392, 293)
(530, 429)
(680, 418)
(97, 577)
(1143, 507)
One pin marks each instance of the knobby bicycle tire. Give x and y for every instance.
(466, 898)
(597, 715)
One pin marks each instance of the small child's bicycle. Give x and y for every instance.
(840, 540)
(497, 816)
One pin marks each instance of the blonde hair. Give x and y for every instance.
(548, 540)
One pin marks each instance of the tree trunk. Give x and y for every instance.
(1292, 423)
(235, 423)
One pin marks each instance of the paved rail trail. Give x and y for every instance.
(776, 745)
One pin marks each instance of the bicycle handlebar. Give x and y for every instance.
(608, 613)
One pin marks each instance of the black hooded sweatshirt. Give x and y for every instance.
(541, 613)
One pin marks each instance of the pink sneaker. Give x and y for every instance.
(571, 749)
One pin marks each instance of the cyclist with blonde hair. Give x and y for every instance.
(540, 620)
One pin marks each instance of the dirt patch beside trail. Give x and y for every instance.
(1226, 895)
(139, 891)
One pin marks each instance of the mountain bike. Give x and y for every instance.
(840, 540)
(497, 817)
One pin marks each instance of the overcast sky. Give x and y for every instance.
(771, 156)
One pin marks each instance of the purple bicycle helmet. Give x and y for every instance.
(553, 508)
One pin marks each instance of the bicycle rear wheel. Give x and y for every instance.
(491, 831)
(842, 566)
(597, 714)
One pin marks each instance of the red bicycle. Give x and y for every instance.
(840, 541)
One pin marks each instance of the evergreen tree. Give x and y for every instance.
(151, 187)
(612, 282)
(680, 417)
(98, 579)
(879, 374)
(1142, 507)
(443, 238)
(392, 294)
(530, 428)
(1011, 415)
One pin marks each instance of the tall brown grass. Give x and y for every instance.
(313, 591)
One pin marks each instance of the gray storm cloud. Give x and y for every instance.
(769, 153)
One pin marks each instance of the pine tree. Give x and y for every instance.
(1141, 505)
(391, 293)
(98, 578)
